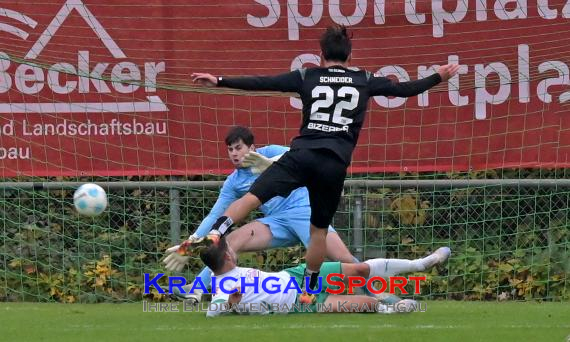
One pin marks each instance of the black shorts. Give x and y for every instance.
(320, 170)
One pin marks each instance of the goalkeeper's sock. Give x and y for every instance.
(223, 225)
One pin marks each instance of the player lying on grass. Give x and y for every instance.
(286, 220)
(222, 260)
(335, 98)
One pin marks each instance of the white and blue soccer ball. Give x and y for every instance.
(90, 199)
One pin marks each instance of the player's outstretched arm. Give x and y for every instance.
(386, 87)
(288, 82)
(176, 257)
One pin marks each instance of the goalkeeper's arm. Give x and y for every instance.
(177, 256)
(227, 196)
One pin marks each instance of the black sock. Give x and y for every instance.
(314, 278)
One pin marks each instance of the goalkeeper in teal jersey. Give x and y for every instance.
(286, 220)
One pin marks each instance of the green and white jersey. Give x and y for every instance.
(254, 300)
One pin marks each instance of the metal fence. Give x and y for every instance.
(510, 238)
(355, 190)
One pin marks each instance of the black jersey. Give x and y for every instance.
(334, 100)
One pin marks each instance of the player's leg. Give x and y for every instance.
(325, 184)
(316, 252)
(296, 222)
(338, 303)
(360, 269)
(337, 250)
(391, 267)
(254, 236)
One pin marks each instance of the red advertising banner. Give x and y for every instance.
(102, 88)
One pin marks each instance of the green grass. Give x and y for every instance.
(443, 321)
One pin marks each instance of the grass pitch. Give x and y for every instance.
(443, 321)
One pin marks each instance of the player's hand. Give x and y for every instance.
(207, 80)
(177, 256)
(257, 162)
(447, 71)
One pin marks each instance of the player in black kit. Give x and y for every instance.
(334, 99)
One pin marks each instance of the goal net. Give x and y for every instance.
(101, 92)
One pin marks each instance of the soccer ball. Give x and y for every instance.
(90, 199)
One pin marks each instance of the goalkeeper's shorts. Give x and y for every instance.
(320, 170)
(289, 227)
(326, 269)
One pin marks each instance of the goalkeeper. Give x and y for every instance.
(220, 257)
(286, 221)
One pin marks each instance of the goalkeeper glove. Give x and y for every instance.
(257, 162)
(177, 256)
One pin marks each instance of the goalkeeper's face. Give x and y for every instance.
(237, 151)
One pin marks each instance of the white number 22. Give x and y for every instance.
(337, 117)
